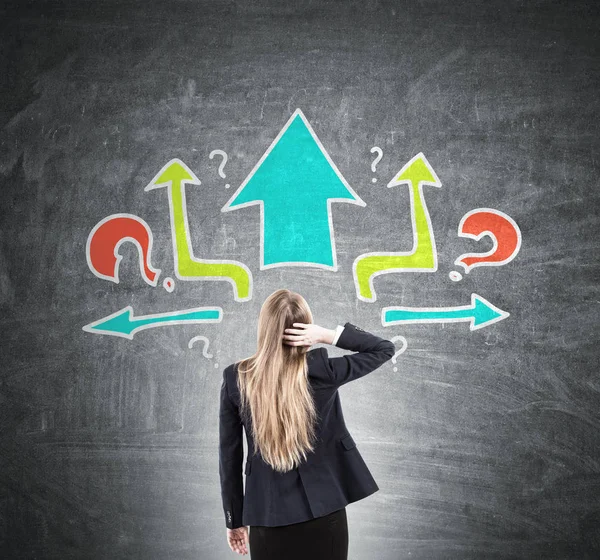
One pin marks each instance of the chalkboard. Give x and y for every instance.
(394, 139)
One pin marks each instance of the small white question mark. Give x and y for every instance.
(205, 349)
(379, 151)
(398, 352)
(222, 164)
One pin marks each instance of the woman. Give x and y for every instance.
(303, 466)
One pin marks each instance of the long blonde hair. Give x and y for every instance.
(274, 385)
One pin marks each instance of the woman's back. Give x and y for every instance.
(332, 476)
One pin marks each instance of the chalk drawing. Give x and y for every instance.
(294, 183)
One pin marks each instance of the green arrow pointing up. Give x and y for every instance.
(174, 176)
(423, 256)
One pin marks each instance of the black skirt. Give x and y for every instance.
(322, 538)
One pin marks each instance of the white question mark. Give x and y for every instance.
(379, 151)
(398, 352)
(205, 349)
(222, 164)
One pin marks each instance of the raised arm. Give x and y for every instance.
(372, 352)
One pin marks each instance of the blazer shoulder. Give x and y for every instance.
(323, 352)
(320, 358)
(229, 379)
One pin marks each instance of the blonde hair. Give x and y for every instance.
(274, 387)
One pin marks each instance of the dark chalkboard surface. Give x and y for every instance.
(488, 443)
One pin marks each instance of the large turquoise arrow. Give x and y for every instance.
(480, 313)
(123, 323)
(295, 182)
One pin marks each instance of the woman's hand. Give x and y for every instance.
(238, 539)
(307, 334)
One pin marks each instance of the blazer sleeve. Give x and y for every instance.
(338, 331)
(371, 350)
(231, 456)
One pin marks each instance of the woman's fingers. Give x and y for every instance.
(293, 342)
(293, 334)
(238, 541)
(239, 547)
(295, 331)
(305, 335)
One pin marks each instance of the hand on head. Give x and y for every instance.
(303, 334)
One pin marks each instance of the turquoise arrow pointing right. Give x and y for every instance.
(481, 313)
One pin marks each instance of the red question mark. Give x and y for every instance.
(106, 237)
(503, 230)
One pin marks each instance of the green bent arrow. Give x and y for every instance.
(423, 257)
(174, 175)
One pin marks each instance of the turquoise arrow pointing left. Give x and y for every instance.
(123, 323)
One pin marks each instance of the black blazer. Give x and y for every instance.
(333, 476)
